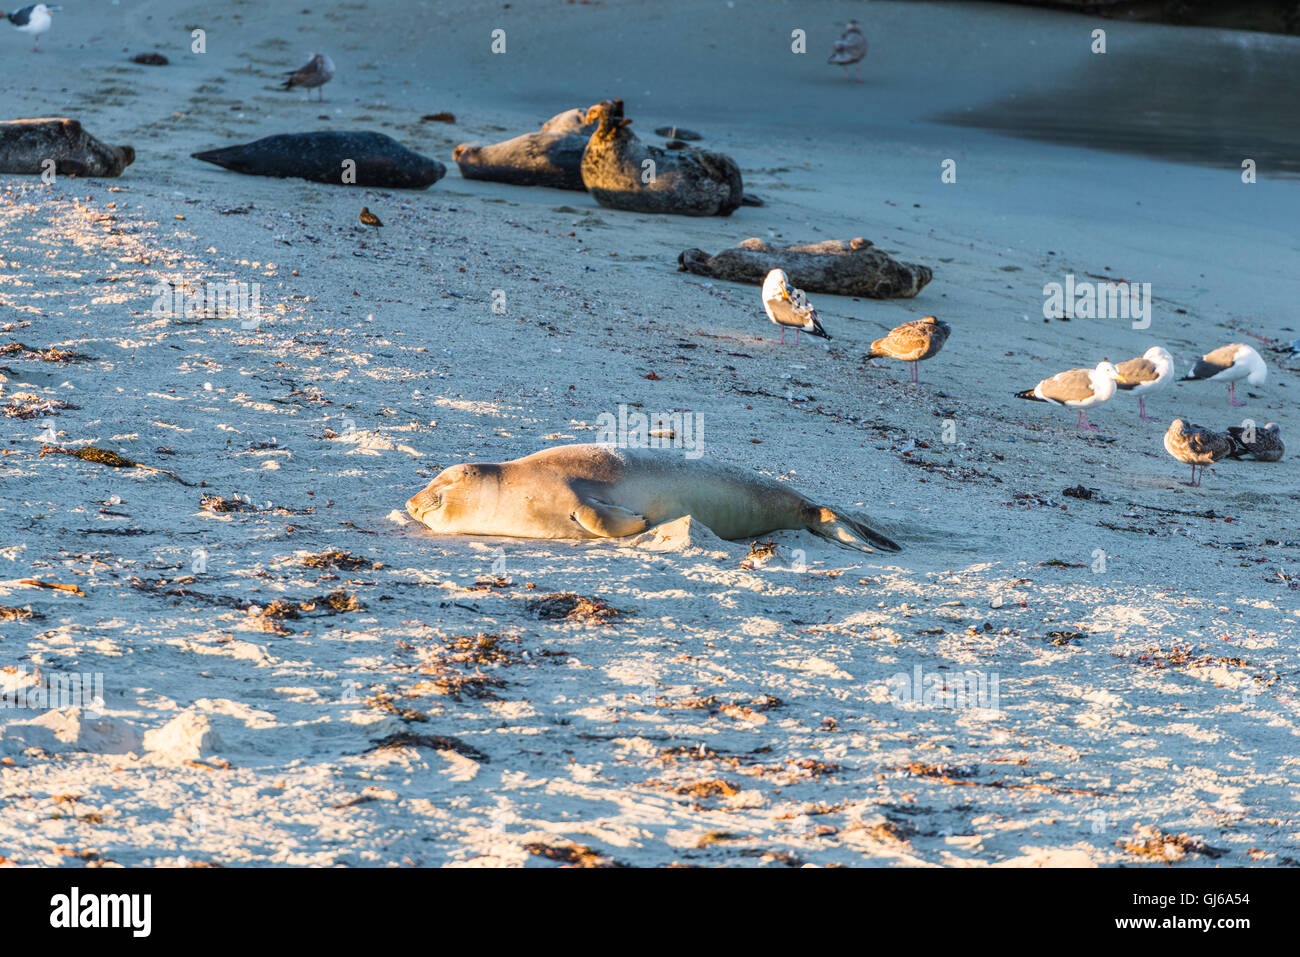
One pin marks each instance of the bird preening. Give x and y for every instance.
(789, 307)
(35, 20)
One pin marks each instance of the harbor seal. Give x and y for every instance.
(595, 491)
(853, 268)
(25, 145)
(323, 157)
(550, 157)
(621, 172)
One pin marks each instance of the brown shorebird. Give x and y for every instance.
(318, 71)
(369, 218)
(912, 342)
(1263, 445)
(1196, 445)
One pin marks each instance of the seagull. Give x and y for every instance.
(1077, 388)
(851, 47)
(1147, 373)
(1227, 364)
(369, 218)
(1263, 445)
(35, 20)
(1197, 446)
(318, 71)
(912, 342)
(789, 307)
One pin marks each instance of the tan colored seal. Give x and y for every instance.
(593, 491)
(621, 172)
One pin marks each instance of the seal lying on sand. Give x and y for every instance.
(836, 267)
(621, 172)
(550, 157)
(25, 145)
(320, 157)
(593, 491)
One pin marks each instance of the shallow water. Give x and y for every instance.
(1216, 101)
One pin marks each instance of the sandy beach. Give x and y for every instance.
(295, 673)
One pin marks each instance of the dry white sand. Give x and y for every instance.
(732, 715)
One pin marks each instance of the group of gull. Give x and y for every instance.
(1080, 389)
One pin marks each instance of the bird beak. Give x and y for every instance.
(1120, 378)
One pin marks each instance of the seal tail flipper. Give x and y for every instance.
(602, 520)
(848, 531)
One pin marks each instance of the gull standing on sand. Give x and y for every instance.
(1228, 364)
(851, 47)
(35, 20)
(1263, 445)
(1147, 373)
(1077, 388)
(318, 71)
(787, 306)
(1196, 445)
(912, 342)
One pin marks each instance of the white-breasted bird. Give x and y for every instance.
(35, 20)
(1228, 364)
(851, 47)
(789, 307)
(1148, 372)
(315, 73)
(1077, 388)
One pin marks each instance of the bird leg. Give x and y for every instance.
(1084, 424)
(858, 70)
(1232, 394)
(915, 374)
(783, 335)
(796, 337)
(1142, 410)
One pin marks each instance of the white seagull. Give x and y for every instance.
(851, 47)
(1077, 388)
(35, 20)
(787, 306)
(1228, 364)
(1147, 373)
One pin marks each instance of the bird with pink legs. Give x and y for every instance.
(789, 307)
(1229, 364)
(1152, 370)
(1077, 389)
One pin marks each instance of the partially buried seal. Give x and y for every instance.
(26, 145)
(593, 491)
(621, 172)
(341, 158)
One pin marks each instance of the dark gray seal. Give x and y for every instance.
(853, 268)
(617, 168)
(380, 160)
(25, 145)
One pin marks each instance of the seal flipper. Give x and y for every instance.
(603, 520)
(840, 528)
